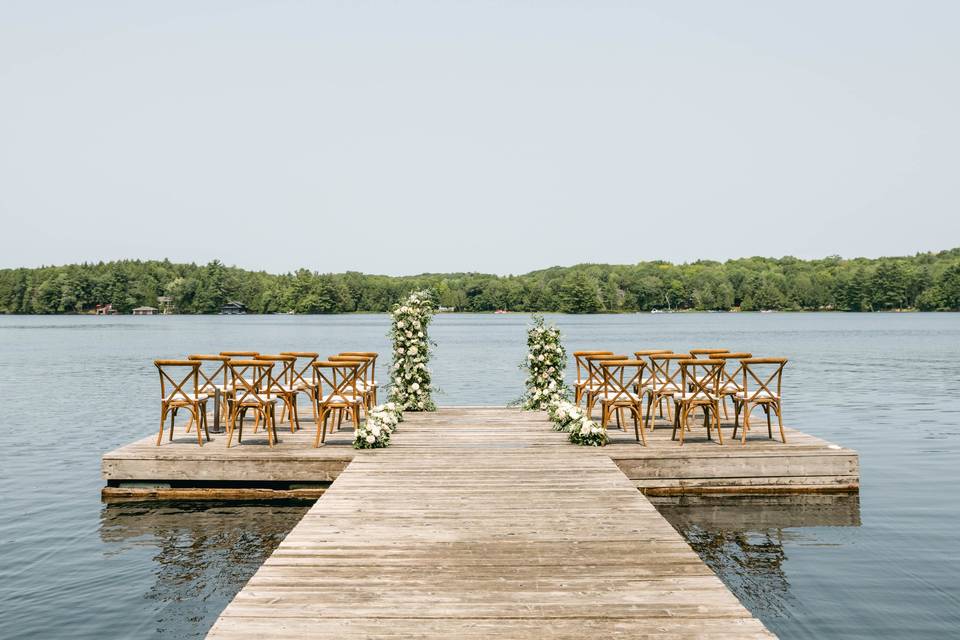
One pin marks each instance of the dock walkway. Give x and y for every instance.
(483, 523)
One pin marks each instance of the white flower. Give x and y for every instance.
(370, 439)
(414, 386)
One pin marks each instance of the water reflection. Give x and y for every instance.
(203, 553)
(746, 540)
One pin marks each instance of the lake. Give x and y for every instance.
(883, 564)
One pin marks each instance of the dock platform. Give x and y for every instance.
(805, 464)
(483, 523)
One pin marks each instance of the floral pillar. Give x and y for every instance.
(546, 360)
(410, 378)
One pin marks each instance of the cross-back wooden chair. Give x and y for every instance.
(706, 353)
(180, 389)
(619, 379)
(213, 380)
(640, 355)
(250, 382)
(303, 375)
(594, 381)
(730, 381)
(336, 391)
(761, 386)
(282, 384)
(664, 382)
(363, 371)
(370, 376)
(700, 381)
(579, 360)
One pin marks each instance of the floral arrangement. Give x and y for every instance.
(562, 412)
(586, 432)
(410, 387)
(546, 360)
(374, 433)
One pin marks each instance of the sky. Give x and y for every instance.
(501, 137)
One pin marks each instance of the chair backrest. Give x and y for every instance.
(214, 373)
(240, 354)
(701, 377)
(762, 377)
(280, 380)
(579, 360)
(708, 353)
(249, 379)
(303, 369)
(732, 372)
(179, 379)
(373, 355)
(620, 376)
(336, 378)
(363, 365)
(594, 373)
(664, 374)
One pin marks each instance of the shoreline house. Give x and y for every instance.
(233, 308)
(166, 305)
(105, 310)
(145, 311)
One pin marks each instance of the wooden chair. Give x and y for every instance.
(664, 383)
(700, 380)
(619, 379)
(180, 389)
(250, 382)
(708, 353)
(213, 381)
(594, 381)
(370, 381)
(366, 390)
(579, 359)
(762, 378)
(336, 391)
(730, 382)
(303, 375)
(282, 384)
(640, 355)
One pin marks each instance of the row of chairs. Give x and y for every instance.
(703, 379)
(240, 382)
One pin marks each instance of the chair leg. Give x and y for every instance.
(683, 413)
(321, 426)
(746, 423)
(766, 410)
(231, 423)
(206, 427)
(163, 423)
(173, 415)
(716, 418)
(779, 410)
(638, 429)
(194, 416)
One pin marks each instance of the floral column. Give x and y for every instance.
(410, 379)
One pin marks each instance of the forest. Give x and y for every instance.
(926, 282)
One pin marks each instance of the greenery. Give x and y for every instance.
(926, 281)
(410, 381)
(546, 360)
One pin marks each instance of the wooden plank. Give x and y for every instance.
(483, 523)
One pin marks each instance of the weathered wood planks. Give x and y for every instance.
(804, 464)
(483, 523)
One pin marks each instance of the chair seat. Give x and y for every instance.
(254, 399)
(757, 396)
(303, 385)
(664, 389)
(689, 396)
(222, 388)
(186, 397)
(341, 399)
(613, 396)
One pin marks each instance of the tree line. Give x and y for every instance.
(926, 281)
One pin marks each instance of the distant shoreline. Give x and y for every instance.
(922, 282)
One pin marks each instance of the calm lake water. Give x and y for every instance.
(882, 565)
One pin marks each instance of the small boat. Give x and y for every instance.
(501, 311)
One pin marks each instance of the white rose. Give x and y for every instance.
(414, 386)
(375, 431)
(371, 439)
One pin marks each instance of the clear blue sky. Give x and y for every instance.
(402, 137)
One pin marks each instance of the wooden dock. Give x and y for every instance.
(483, 523)
(805, 464)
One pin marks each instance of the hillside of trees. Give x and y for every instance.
(927, 281)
